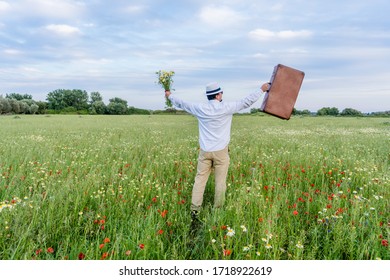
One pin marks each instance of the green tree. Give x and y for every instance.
(351, 112)
(117, 106)
(15, 106)
(98, 107)
(380, 114)
(303, 112)
(95, 97)
(24, 107)
(65, 98)
(42, 107)
(327, 111)
(18, 96)
(137, 111)
(55, 99)
(255, 110)
(76, 98)
(97, 104)
(5, 107)
(34, 109)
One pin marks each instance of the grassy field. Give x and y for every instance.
(119, 187)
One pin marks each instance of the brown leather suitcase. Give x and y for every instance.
(280, 99)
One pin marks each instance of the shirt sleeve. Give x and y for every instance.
(244, 103)
(186, 106)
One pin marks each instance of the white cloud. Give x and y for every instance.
(30, 69)
(266, 35)
(63, 29)
(4, 6)
(288, 34)
(218, 17)
(262, 34)
(260, 55)
(277, 7)
(59, 9)
(134, 9)
(12, 52)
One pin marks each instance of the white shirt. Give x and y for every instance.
(215, 119)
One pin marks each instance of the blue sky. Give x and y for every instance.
(115, 47)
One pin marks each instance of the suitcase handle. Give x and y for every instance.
(269, 87)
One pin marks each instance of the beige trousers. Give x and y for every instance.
(218, 160)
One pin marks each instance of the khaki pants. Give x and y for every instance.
(218, 160)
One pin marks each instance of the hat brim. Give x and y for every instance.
(215, 91)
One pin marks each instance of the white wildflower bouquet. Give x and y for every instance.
(166, 81)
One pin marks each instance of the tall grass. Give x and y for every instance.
(119, 187)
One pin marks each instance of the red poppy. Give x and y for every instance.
(295, 212)
(227, 252)
(160, 232)
(384, 242)
(141, 246)
(164, 213)
(81, 256)
(104, 255)
(37, 252)
(223, 227)
(101, 246)
(50, 250)
(106, 240)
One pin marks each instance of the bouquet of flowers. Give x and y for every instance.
(166, 81)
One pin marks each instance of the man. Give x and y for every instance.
(214, 120)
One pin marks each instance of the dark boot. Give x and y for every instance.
(194, 215)
(195, 222)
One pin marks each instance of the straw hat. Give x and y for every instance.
(213, 88)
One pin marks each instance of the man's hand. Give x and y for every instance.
(265, 87)
(167, 93)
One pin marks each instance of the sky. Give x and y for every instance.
(115, 47)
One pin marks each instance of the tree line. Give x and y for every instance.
(76, 101)
(333, 111)
(66, 101)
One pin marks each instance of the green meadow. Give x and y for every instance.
(119, 187)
